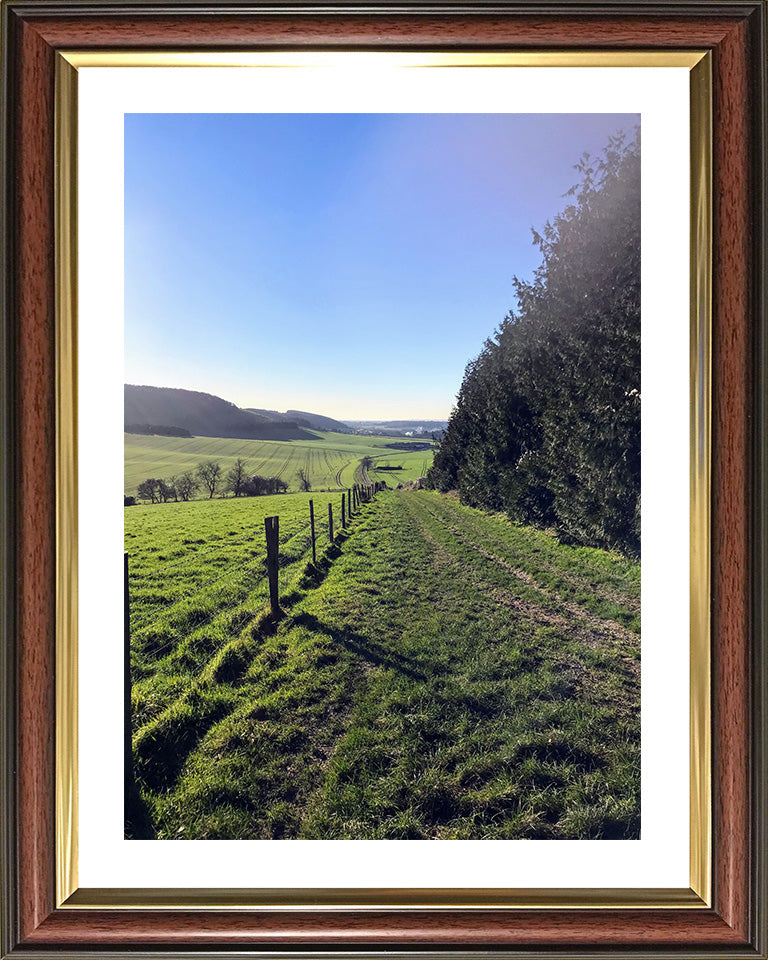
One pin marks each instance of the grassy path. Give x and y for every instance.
(441, 674)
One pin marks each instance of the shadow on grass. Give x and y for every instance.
(138, 824)
(560, 752)
(364, 647)
(163, 750)
(315, 573)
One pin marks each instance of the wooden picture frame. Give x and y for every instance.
(734, 924)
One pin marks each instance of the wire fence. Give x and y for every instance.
(351, 500)
(317, 525)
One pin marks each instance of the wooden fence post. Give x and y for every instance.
(312, 527)
(128, 782)
(272, 531)
(343, 514)
(330, 522)
(349, 503)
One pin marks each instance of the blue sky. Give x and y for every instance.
(350, 265)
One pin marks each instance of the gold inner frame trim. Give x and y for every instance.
(701, 481)
(65, 134)
(357, 60)
(68, 893)
(383, 899)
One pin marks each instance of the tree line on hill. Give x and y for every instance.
(156, 430)
(205, 415)
(209, 477)
(547, 421)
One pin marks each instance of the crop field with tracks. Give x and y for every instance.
(438, 673)
(329, 462)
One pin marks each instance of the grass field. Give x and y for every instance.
(439, 673)
(330, 461)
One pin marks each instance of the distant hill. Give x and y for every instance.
(317, 422)
(314, 421)
(205, 415)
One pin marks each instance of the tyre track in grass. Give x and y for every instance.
(574, 609)
(342, 722)
(330, 465)
(580, 625)
(623, 701)
(339, 478)
(285, 465)
(610, 593)
(607, 592)
(566, 688)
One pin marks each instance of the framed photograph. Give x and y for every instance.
(428, 328)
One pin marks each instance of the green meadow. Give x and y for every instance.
(438, 673)
(332, 462)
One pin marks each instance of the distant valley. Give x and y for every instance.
(171, 411)
(204, 415)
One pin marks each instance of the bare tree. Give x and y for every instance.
(237, 477)
(209, 472)
(166, 491)
(304, 484)
(186, 485)
(148, 490)
(172, 483)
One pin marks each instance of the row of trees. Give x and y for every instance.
(182, 487)
(209, 476)
(547, 421)
(160, 430)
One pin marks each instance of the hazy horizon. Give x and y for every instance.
(345, 265)
(256, 406)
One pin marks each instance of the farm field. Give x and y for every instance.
(330, 462)
(440, 673)
(196, 572)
